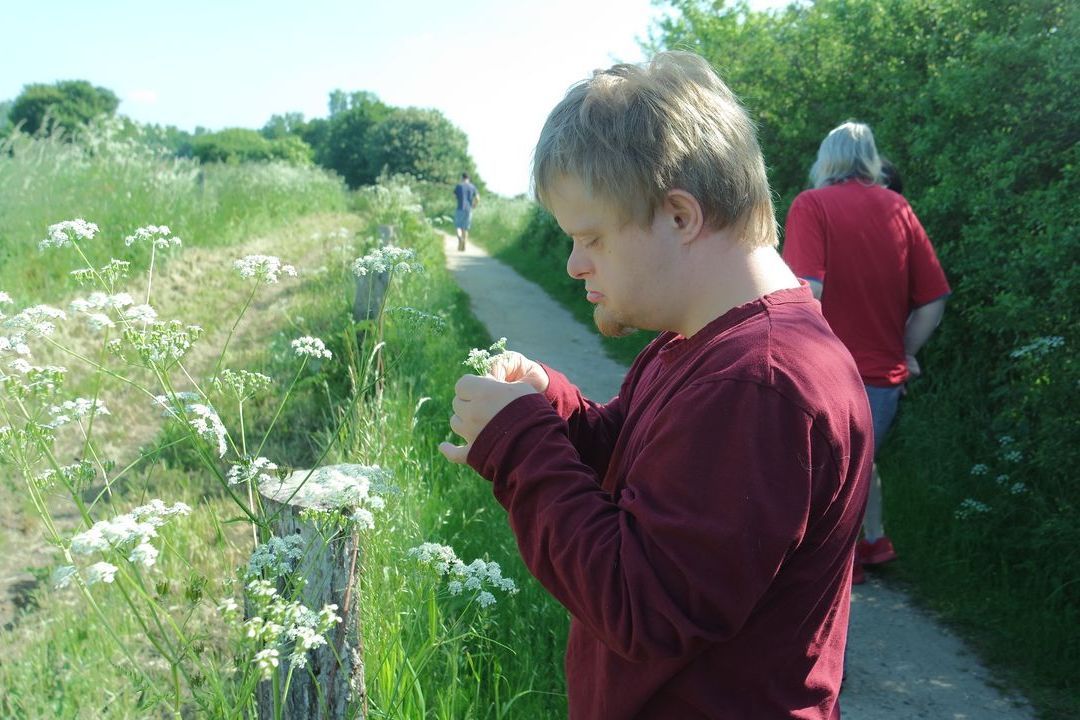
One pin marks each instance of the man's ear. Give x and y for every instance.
(684, 214)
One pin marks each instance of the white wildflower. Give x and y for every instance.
(473, 577)
(208, 426)
(363, 518)
(160, 236)
(250, 469)
(63, 234)
(141, 313)
(100, 572)
(1013, 456)
(277, 557)
(144, 554)
(1018, 488)
(264, 268)
(37, 319)
(387, 259)
(267, 660)
(77, 409)
(243, 384)
(15, 344)
(310, 347)
(228, 607)
(978, 469)
(480, 360)
(970, 508)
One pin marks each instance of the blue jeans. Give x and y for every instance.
(883, 404)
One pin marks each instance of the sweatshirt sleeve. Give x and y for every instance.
(695, 536)
(592, 427)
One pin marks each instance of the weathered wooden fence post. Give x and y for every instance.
(332, 686)
(371, 288)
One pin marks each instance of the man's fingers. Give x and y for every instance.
(454, 453)
(457, 424)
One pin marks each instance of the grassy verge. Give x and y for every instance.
(429, 653)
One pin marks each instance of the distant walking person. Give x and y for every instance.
(468, 197)
(882, 289)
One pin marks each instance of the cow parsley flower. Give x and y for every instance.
(267, 661)
(387, 259)
(308, 346)
(141, 313)
(77, 409)
(275, 558)
(208, 426)
(474, 577)
(63, 234)
(250, 469)
(159, 236)
(242, 384)
(100, 572)
(264, 268)
(110, 273)
(480, 360)
(970, 507)
(37, 319)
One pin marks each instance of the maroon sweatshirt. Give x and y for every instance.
(700, 526)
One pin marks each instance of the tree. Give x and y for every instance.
(5, 120)
(421, 143)
(347, 148)
(69, 103)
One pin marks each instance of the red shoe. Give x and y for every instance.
(878, 552)
(858, 577)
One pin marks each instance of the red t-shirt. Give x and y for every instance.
(867, 248)
(700, 526)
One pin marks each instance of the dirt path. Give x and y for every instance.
(200, 286)
(901, 664)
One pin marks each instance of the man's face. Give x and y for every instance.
(623, 265)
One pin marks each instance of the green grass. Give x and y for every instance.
(121, 185)
(427, 654)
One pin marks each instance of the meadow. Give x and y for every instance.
(148, 582)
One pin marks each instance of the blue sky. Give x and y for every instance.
(493, 67)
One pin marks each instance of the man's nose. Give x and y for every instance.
(577, 265)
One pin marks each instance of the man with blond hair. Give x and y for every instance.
(699, 526)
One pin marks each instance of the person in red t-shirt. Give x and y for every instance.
(881, 287)
(700, 526)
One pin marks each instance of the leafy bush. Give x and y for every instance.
(243, 145)
(970, 100)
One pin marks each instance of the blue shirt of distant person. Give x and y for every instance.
(467, 198)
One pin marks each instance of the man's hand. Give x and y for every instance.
(476, 401)
(512, 366)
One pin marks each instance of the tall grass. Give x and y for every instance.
(429, 653)
(121, 184)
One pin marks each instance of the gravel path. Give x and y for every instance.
(901, 664)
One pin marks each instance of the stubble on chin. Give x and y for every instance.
(609, 325)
